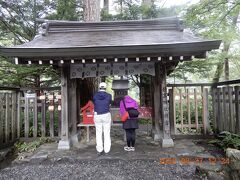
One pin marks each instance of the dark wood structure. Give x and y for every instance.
(160, 43)
(120, 88)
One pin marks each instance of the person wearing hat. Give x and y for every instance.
(102, 118)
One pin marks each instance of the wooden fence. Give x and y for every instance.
(193, 108)
(26, 115)
(188, 107)
(204, 107)
(40, 116)
(226, 109)
(9, 116)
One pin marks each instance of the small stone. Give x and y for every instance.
(234, 156)
(38, 158)
(206, 166)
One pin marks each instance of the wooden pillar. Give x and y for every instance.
(65, 142)
(72, 105)
(161, 75)
(69, 110)
(172, 113)
(153, 112)
(156, 102)
(78, 102)
(74, 110)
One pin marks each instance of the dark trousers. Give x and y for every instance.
(130, 134)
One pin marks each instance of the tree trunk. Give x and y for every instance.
(145, 87)
(106, 6)
(226, 72)
(91, 10)
(220, 65)
(89, 85)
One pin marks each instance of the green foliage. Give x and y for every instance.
(68, 10)
(30, 146)
(132, 11)
(18, 19)
(26, 76)
(227, 140)
(214, 20)
(144, 121)
(18, 25)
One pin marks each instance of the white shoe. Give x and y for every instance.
(132, 148)
(126, 148)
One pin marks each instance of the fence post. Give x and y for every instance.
(14, 111)
(219, 116)
(181, 108)
(225, 122)
(51, 112)
(18, 114)
(231, 110)
(43, 112)
(26, 116)
(59, 114)
(214, 107)
(188, 110)
(205, 110)
(7, 128)
(237, 92)
(172, 111)
(196, 107)
(35, 116)
(1, 117)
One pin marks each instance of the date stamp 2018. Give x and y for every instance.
(197, 160)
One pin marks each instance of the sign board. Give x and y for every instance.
(98, 70)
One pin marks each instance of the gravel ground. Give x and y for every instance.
(99, 169)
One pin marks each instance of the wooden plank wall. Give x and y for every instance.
(189, 110)
(226, 109)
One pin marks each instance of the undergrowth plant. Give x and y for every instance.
(227, 140)
(30, 146)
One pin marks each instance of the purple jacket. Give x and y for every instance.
(129, 102)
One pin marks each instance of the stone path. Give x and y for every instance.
(147, 162)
